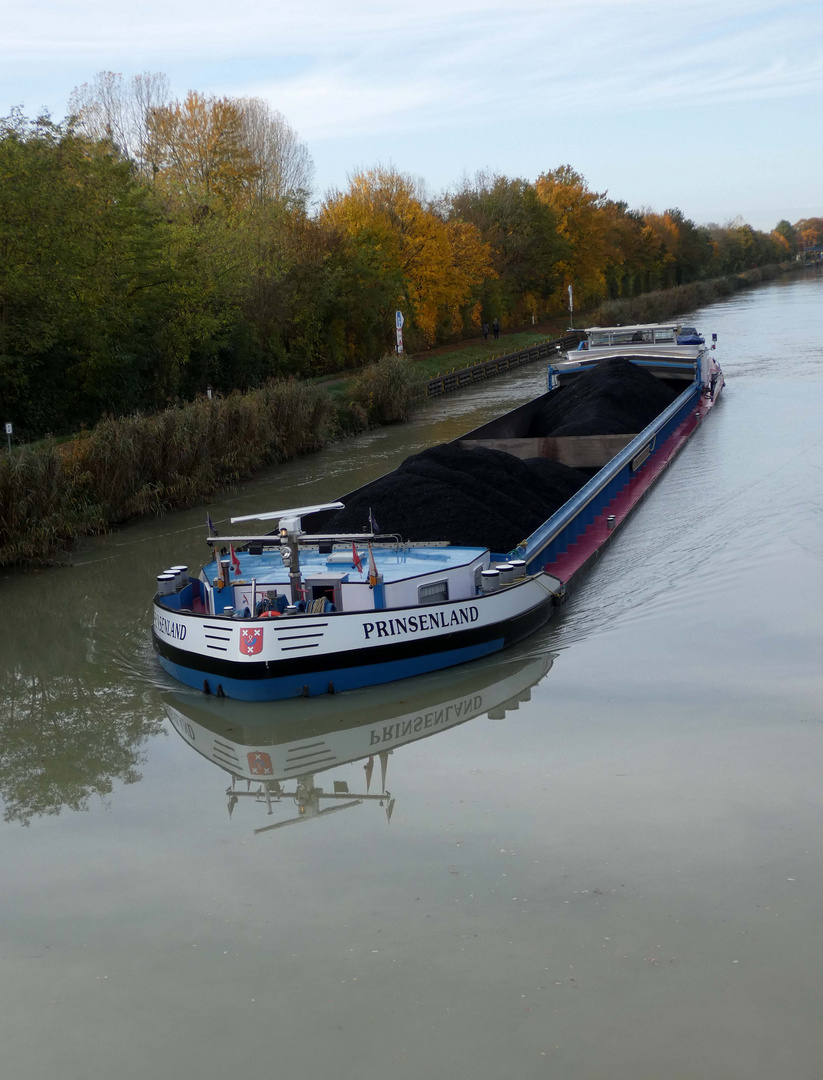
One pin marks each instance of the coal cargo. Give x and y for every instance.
(480, 498)
(483, 497)
(614, 398)
(487, 474)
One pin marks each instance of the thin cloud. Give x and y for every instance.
(475, 75)
(323, 27)
(333, 104)
(446, 80)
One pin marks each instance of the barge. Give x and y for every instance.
(313, 609)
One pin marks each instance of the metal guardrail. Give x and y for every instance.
(487, 369)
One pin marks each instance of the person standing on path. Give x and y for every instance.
(496, 328)
(486, 331)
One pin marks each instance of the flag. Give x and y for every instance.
(372, 569)
(210, 524)
(234, 560)
(355, 558)
(372, 523)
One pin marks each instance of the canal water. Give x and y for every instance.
(604, 860)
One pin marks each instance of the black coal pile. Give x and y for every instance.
(487, 498)
(614, 398)
(480, 498)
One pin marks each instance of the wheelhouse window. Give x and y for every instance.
(664, 337)
(436, 592)
(634, 337)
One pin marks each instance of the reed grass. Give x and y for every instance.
(668, 303)
(50, 495)
(388, 390)
(40, 508)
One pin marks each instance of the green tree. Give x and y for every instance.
(521, 232)
(83, 280)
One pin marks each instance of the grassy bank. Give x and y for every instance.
(669, 303)
(475, 352)
(455, 357)
(50, 494)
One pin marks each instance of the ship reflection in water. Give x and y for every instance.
(274, 751)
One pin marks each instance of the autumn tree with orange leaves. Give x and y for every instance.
(584, 228)
(437, 265)
(203, 162)
(809, 232)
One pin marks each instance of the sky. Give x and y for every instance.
(711, 106)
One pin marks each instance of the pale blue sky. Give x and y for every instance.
(714, 107)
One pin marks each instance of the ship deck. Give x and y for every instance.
(394, 563)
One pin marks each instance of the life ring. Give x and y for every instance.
(270, 615)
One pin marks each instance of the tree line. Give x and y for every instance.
(152, 247)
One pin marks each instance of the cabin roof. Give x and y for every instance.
(632, 327)
(393, 564)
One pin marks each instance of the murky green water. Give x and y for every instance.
(605, 861)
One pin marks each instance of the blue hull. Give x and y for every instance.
(314, 683)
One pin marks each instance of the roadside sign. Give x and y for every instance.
(398, 319)
(399, 339)
(9, 430)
